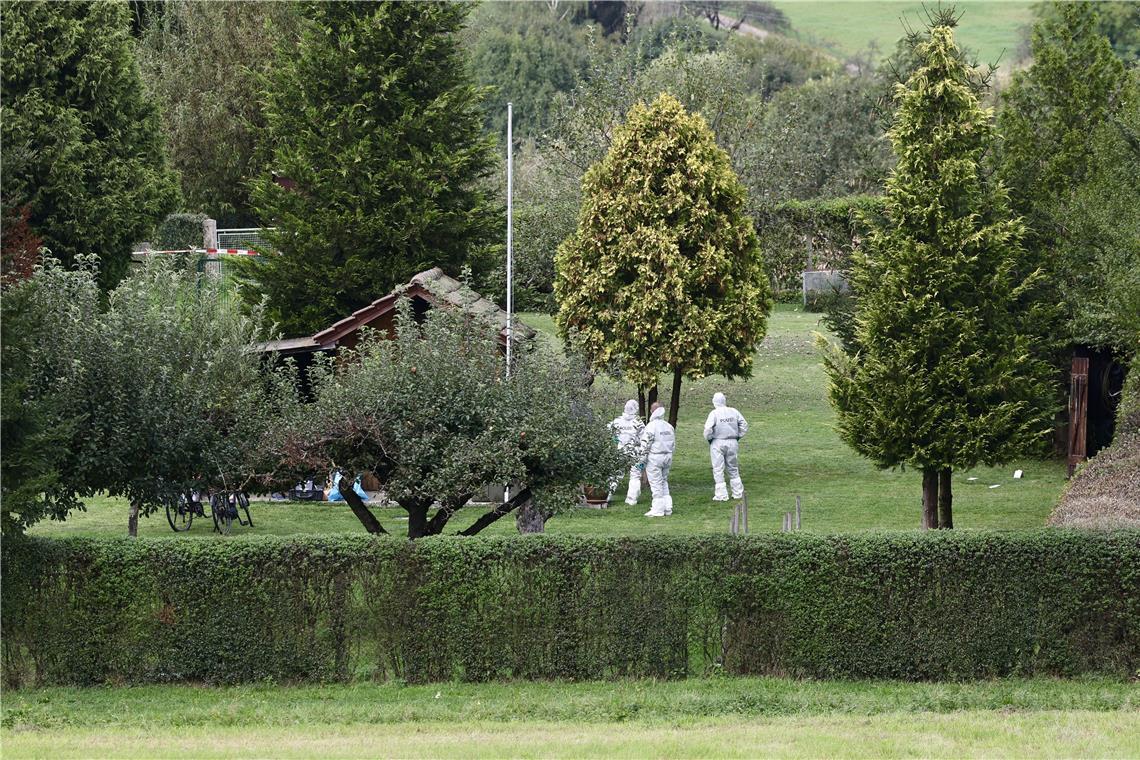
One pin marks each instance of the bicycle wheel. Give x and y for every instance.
(220, 509)
(242, 499)
(178, 513)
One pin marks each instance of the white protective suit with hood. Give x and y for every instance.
(658, 440)
(724, 428)
(627, 433)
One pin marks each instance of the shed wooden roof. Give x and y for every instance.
(434, 287)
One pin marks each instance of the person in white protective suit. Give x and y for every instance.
(627, 434)
(724, 428)
(658, 440)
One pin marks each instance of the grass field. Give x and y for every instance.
(742, 717)
(992, 29)
(792, 449)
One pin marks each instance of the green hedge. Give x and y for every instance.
(832, 225)
(941, 605)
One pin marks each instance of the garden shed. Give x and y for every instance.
(427, 290)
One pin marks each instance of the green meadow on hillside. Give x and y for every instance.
(990, 29)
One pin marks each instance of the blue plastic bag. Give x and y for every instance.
(335, 495)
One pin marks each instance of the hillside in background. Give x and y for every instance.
(993, 30)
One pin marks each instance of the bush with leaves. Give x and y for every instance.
(820, 140)
(945, 376)
(151, 393)
(663, 272)
(92, 170)
(432, 416)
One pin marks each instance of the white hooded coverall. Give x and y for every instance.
(627, 432)
(658, 440)
(724, 427)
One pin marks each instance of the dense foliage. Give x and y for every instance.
(146, 392)
(204, 63)
(1067, 148)
(528, 53)
(821, 140)
(1118, 20)
(373, 149)
(663, 272)
(944, 376)
(945, 606)
(90, 163)
(431, 415)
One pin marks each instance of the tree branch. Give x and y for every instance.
(444, 513)
(521, 497)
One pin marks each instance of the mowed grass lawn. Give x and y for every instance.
(740, 717)
(992, 29)
(791, 450)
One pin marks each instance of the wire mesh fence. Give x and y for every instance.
(243, 237)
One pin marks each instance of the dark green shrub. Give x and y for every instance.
(941, 605)
(178, 232)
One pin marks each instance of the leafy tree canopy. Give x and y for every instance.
(1050, 113)
(93, 174)
(433, 417)
(144, 393)
(527, 53)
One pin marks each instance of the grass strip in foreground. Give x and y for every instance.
(1045, 734)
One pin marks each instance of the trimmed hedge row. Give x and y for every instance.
(940, 605)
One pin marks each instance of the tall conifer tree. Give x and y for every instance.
(84, 163)
(945, 378)
(373, 152)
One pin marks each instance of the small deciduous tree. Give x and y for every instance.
(663, 272)
(145, 396)
(945, 377)
(92, 173)
(431, 414)
(373, 119)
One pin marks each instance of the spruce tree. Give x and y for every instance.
(83, 149)
(664, 270)
(945, 377)
(374, 151)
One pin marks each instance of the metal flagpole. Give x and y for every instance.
(510, 235)
(510, 251)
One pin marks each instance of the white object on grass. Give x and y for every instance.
(971, 479)
(1017, 474)
(996, 485)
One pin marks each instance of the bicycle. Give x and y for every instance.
(225, 507)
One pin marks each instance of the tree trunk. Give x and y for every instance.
(642, 406)
(417, 519)
(945, 500)
(675, 396)
(530, 519)
(521, 497)
(651, 400)
(133, 520)
(359, 508)
(929, 498)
